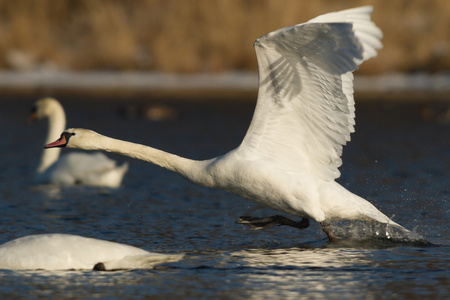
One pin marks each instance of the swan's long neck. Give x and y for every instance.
(193, 170)
(56, 125)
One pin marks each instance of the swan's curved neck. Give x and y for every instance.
(193, 170)
(56, 125)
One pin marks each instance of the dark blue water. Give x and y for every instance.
(397, 160)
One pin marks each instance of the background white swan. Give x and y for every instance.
(67, 252)
(94, 169)
(305, 113)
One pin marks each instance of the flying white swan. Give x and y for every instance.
(72, 252)
(305, 113)
(94, 169)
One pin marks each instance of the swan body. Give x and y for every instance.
(94, 169)
(289, 157)
(72, 252)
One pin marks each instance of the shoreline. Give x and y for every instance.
(239, 85)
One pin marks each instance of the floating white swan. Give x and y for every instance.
(94, 169)
(304, 115)
(72, 252)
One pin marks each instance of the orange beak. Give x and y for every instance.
(61, 142)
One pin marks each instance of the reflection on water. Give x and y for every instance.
(77, 284)
(335, 271)
(302, 257)
(49, 191)
(161, 212)
(299, 271)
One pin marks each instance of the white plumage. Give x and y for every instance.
(305, 112)
(72, 252)
(93, 169)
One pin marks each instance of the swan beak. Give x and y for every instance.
(61, 142)
(32, 118)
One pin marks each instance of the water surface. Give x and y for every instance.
(396, 159)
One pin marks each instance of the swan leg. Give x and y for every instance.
(269, 222)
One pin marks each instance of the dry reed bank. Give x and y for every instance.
(201, 36)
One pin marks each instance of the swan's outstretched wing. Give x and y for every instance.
(305, 110)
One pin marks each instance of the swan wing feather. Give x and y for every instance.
(305, 109)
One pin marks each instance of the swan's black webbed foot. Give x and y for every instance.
(269, 222)
(257, 223)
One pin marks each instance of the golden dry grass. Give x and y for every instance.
(202, 35)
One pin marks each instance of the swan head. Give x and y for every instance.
(44, 108)
(76, 138)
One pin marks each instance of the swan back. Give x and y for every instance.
(91, 169)
(64, 252)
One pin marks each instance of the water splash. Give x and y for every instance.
(370, 230)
